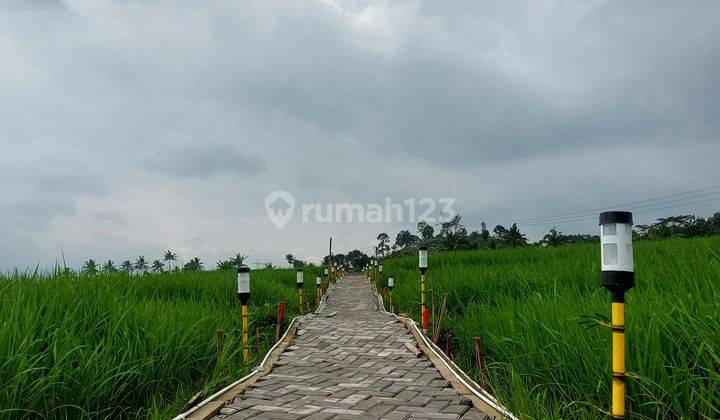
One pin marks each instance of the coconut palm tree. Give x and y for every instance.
(194, 264)
(239, 260)
(157, 266)
(141, 264)
(90, 267)
(109, 267)
(169, 256)
(126, 267)
(225, 265)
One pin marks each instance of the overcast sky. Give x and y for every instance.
(132, 127)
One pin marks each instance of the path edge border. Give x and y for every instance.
(481, 399)
(214, 403)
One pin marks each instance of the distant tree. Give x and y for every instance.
(383, 244)
(269, 265)
(514, 237)
(126, 267)
(141, 265)
(484, 233)
(425, 230)
(453, 225)
(455, 240)
(681, 226)
(358, 258)
(226, 265)
(554, 238)
(294, 261)
(169, 256)
(90, 267)
(405, 238)
(193, 265)
(158, 266)
(239, 260)
(109, 267)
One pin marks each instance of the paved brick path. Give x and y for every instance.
(351, 365)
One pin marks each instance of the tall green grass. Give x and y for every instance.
(128, 346)
(547, 357)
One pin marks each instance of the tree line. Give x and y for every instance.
(454, 235)
(168, 263)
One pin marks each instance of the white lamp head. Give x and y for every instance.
(299, 277)
(616, 251)
(422, 258)
(243, 284)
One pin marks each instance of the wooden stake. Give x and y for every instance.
(448, 345)
(218, 343)
(436, 326)
(480, 359)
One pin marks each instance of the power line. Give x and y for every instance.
(591, 217)
(634, 204)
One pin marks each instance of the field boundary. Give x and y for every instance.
(211, 405)
(481, 399)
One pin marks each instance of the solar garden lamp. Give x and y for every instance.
(618, 277)
(422, 264)
(390, 284)
(299, 284)
(318, 285)
(243, 293)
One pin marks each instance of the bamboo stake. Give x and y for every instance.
(436, 327)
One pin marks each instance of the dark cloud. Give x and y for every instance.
(204, 160)
(174, 120)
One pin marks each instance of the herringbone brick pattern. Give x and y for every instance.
(352, 364)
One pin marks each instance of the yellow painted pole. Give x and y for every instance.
(300, 292)
(422, 294)
(618, 360)
(244, 312)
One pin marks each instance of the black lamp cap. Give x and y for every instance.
(243, 269)
(299, 270)
(615, 217)
(424, 248)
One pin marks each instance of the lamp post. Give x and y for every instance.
(299, 284)
(243, 293)
(318, 284)
(618, 276)
(390, 284)
(422, 264)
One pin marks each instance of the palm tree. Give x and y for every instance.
(109, 267)
(239, 260)
(126, 267)
(554, 238)
(141, 264)
(225, 265)
(169, 256)
(90, 267)
(157, 266)
(194, 264)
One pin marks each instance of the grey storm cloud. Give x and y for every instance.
(130, 126)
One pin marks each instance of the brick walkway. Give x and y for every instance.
(351, 365)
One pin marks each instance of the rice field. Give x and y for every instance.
(129, 346)
(539, 313)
